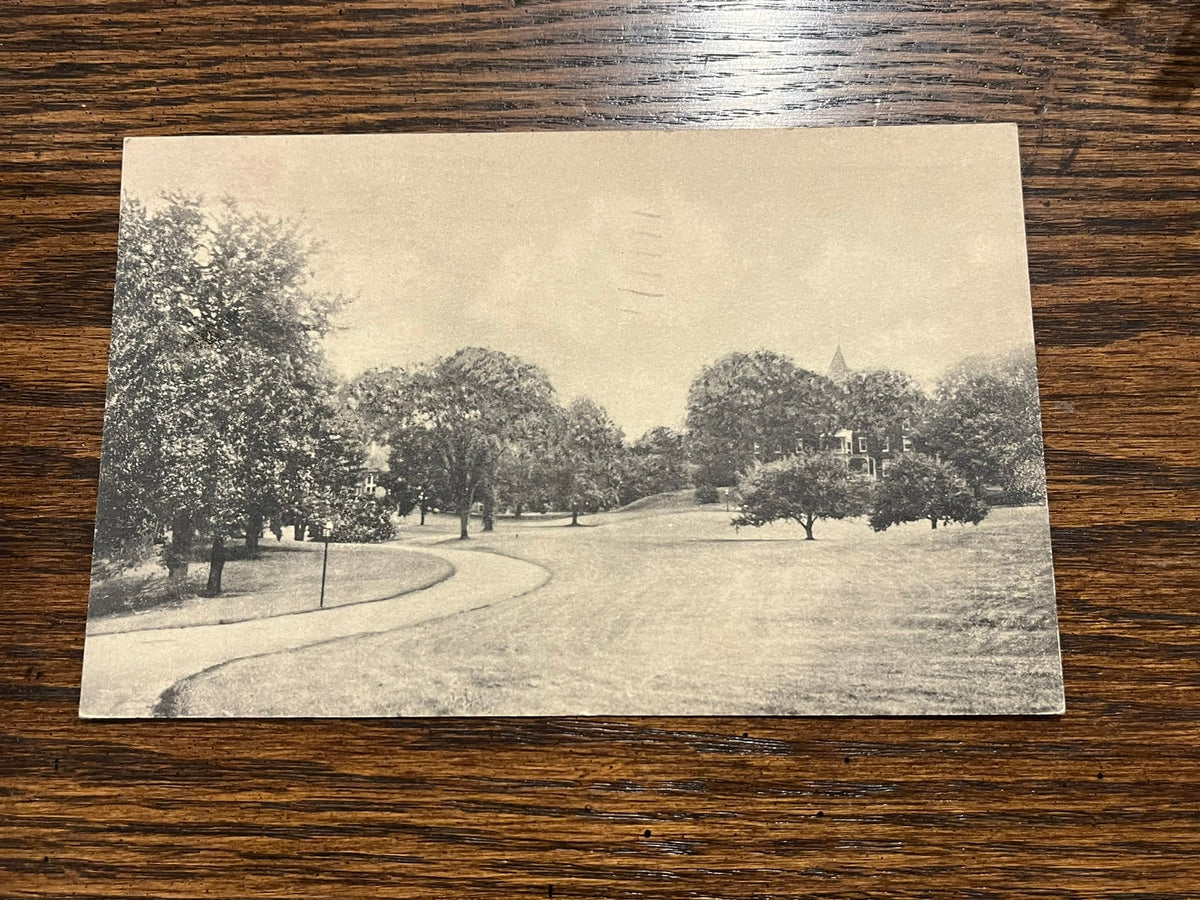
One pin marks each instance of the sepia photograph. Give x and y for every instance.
(737, 422)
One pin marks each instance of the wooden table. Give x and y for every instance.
(1104, 802)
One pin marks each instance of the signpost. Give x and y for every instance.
(326, 528)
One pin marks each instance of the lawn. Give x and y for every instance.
(284, 578)
(669, 610)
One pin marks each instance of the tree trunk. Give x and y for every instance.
(254, 527)
(518, 508)
(276, 528)
(808, 524)
(298, 530)
(465, 502)
(177, 554)
(422, 513)
(489, 508)
(574, 517)
(933, 522)
(216, 565)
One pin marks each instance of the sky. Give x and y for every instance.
(623, 262)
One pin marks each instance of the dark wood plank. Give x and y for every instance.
(1099, 803)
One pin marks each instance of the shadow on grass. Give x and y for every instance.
(141, 592)
(127, 594)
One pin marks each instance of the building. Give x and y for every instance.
(374, 467)
(855, 448)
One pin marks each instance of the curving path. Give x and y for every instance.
(124, 674)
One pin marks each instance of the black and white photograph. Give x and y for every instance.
(733, 422)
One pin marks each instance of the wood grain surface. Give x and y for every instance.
(1104, 802)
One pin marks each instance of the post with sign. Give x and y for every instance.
(326, 528)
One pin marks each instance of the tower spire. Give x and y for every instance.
(838, 370)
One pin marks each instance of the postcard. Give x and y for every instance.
(739, 422)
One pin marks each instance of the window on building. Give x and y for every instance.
(906, 444)
(887, 445)
(862, 445)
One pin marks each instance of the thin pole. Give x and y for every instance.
(324, 566)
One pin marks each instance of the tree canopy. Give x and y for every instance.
(918, 487)
(986, 420)
(215, 378)
(754, 407)
(656, 462)
(222, 416)
(460, 413)
(586, 471)
(802, 488)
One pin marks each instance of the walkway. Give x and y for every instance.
(125, 674)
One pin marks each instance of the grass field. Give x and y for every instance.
(285, 578)
(665, 609)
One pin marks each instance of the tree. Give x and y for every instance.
(802, 488)
(918, 487)
(259, 313)
(461, 410)
(656, 462)
(523, 475)
(881, 406)
(215, 368)
(755, 407)
(415, 479)
(381, 405)
(586, 468)
(329, 485)
(986, 420)
(148, 376)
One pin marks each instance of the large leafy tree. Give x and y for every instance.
(460, 412)
(214, 373)
(881, 406)
(150, 376)
(415, 479)
(801, 488)
(918, 487)
(985, 419)
(524, 473)
(586, 470)
(755, 407)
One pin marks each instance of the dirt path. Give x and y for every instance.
(125, 674)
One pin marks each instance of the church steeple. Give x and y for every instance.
(838, 370)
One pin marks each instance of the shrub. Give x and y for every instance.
(708, 493)
(1028, 483)
(364, 519)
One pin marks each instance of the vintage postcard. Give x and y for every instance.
(737, 422)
